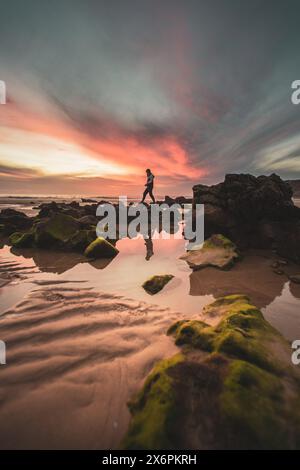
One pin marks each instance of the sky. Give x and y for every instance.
(98, 91)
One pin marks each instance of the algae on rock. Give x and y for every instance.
(156, 283)
(233, 388)
(217, 251)
(101, 248)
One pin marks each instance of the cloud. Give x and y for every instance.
(192, 89)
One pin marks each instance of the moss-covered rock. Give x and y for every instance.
(217, 251)
(156, 283)
(101, 248)
(81, 240)
(22, 240)
(55, 231)
(233, 388)
(154, 405)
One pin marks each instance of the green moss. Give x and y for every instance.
(252, 407)
(241, 333)
(22, 240)
(56, 231)
(156, 283)
(194, 333)
(218, 241)
(101, 248)
(154, 411)
(253, 397)
(81, 240)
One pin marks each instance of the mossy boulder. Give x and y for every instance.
(101, 248)
(22, 240)
(55, 231)
(232, 387)
(217, 251)
(156, 283)
(81, 240)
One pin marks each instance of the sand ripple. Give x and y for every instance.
(74, 357)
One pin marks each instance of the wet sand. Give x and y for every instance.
(74, 358)
(81, 337)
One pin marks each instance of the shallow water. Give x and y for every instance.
(188, 292)
(83, 336)
(123, 275)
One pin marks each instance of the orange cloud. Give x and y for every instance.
(164, 154)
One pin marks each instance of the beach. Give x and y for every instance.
(82, 336)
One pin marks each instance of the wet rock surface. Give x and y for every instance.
(156, 283)
(217, 251)
(232, 386)
(254, 212)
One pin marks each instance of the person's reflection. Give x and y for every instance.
(149, 248)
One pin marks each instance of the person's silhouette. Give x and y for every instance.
(149, 186)
(149, 248)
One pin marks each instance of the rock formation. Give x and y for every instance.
(255, 212)
(232, 386)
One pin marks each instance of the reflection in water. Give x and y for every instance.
(149, 248)
(284, 312)
(252, 276)
(56, 261)
(188, 292)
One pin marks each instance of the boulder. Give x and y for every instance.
(13, 221)
(254, 212)
(81, 240)
(232, 386)
(156, 283)
(183, 200)
(101, 248)
(22, 240)
(55, 231)
(88, 220)
(217, 251)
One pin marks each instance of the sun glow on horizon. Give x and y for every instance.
(48, 155)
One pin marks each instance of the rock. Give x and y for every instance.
(183, 200)
(87, 200)
(81, 240)
(217, 251)
(101, 248)
(156, 283)
(278, 271)
(254, 212)
(295, 185)
(22, 240)
(55, 231)
(282, 262)
(88, 220)
(48, 208)
(90, 209)
(13, 221)
(295, 278)
(232, 387)
(169, 201)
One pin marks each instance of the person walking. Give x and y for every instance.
(149, 186)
